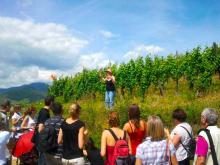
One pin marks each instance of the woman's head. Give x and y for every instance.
(134, 114)
(155, 128)
(179, 115)
(113, 119)
(109, 72)
(17, 108)
(74, 110)
(31, 111)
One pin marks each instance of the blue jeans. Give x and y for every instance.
(109, 99)
(41, 158)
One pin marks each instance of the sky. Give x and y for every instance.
(43, 37)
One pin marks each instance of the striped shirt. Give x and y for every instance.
(155, 152)
(57, 121)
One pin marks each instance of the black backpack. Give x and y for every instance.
(47, 138)
(191, 146)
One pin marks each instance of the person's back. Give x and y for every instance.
(108, 141)
(156, 149)
(215, 134)
(70, 131)
(135, 127)
(208, 140)
(71, 134)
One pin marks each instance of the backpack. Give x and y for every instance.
(47, 138)
(191, 146)
(121, 150)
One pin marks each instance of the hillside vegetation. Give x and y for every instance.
(25, 93)
(158, 85)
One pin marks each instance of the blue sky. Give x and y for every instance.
(90, 33)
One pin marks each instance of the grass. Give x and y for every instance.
(95, 115)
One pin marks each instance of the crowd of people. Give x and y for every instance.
(46, 139)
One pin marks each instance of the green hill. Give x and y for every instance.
(28, 93)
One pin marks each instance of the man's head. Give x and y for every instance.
(57, 109)
(48, 101)
(209, 116)
(6, 105)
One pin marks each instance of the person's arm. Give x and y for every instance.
(129, 143)
(176, 140)
(81, 137)
(24, 123)
(125, 128)
(15, 121)
(174, 160)
(200, 160)
(103, 144)
(172, 154)
(40, 127)
(201, 150)
(60, 137)
(138, 161)
(113, 79)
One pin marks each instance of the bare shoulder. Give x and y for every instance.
(126, 126)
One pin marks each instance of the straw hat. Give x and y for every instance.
(109, 70)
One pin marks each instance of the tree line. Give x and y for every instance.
(135, 77)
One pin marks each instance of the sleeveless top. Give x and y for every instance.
(110, 151)
(110, 86)
(30, 123)
(71, 148)
(136, 138)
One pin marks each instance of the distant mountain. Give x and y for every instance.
(30, 92)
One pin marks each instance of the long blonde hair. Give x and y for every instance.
(155, 128)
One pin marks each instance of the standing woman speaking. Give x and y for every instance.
(110, 89)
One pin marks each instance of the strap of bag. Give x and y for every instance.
(190, 135)
(113, 134)
(212, 147)
(124, 138)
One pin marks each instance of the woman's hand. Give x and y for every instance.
(167, 133)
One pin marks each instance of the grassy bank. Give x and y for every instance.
(95, 115)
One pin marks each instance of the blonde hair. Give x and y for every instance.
(155, 128)
(74, 110)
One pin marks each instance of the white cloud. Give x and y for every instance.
(107, 34)
(143, 50)
(31, 52)
(94, 60)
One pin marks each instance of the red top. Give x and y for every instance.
(136, 138)
(109, 155)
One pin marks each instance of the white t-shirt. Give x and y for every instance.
(181, 153)
(31, 123)
(4, 139)
(17, 116)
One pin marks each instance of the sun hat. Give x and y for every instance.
(109, 70)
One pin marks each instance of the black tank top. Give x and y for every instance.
(110, 85)
(71, 148)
